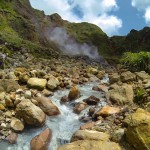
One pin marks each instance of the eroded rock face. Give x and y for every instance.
(90, 145)
(41, 141)
(89, 135)
(47, 106)
(138, 131)
(74, 93)
(31, 114)
(121, 94)
(37, 83)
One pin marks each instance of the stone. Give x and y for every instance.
(101, 74)
(138, 131)
(2, 107)
(64, 99)
(52, 83)
(79, 107)
(47, 106)
(74, 93)
(127, 76)
(88, 125)
(31, 114)
(142, 75)
(92, 100)
(28, 94)
(114, 77)
(93, 71)
(8, 101)
(107, 111)
(8, 85)
(37, 83)
(118, 135)
(121, 94)
(89, 135)
(90, 145)
(102, 88)
(47, 93)
(41, 141)
(12, 138)
(17, 125)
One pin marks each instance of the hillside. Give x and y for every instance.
(23, 26)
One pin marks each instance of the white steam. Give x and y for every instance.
(69, 45)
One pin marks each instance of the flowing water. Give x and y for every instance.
(62, 126)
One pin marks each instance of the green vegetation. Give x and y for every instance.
(137, 61)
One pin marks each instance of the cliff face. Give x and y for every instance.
(21, 25)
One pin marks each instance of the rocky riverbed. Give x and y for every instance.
(69, 103)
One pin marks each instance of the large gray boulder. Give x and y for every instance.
(31, 114)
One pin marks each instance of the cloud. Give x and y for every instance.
(93, 11)
(144, 6)
(147, 15)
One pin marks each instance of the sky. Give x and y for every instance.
(114, 17)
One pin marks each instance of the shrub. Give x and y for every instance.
(136, 61)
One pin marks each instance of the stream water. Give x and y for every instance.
(62, 126)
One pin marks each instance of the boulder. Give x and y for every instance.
(17, 125)
(90, 145)
(127, 76)
(37, 83)
(107, 111)
(138, 131)
(121, 94)
(89, 135)
(52, 83)
(12, 138)
(47, 106)
(8, 85)
(79, 107)
(114, 77)
(142, 75)
(92, 100)
(41, 141)
(74, 93)
(31, 114)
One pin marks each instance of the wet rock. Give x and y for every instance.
(52, 83)
(88, 125)
(89, 135)
(8, 85)
(138, 131)
(41, 141)
(74, 93)
(91, 111)
(12, 138)
(64, 99)
(127, 76)
(47, 106)
(31, 114)
(37, 83)
(92, 100)
(121, 94)
(79, 107)
(90, 145)
(107, 111)
(102, 88)
(17, 125)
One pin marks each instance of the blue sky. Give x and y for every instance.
(114, 17)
